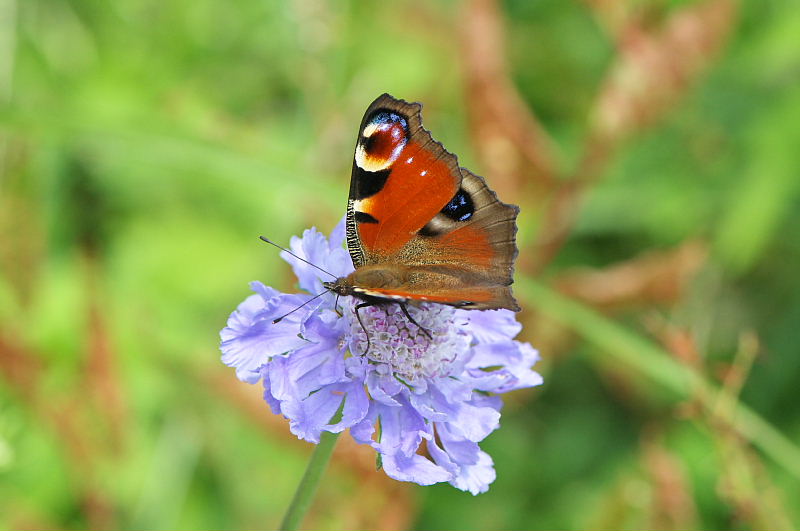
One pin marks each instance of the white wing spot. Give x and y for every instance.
(410, 160)
(423, 173)
(370, 129)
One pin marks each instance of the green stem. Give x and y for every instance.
(655, 363)
(308, 485)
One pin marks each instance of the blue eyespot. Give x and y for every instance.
(388, 117)
(460, 208)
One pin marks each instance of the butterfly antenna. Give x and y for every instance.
(264, 238)
(317, 296)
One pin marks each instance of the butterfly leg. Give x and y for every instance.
(336, 306)
(411, 319)
(358, 316)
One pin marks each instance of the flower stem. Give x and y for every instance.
(308, 485)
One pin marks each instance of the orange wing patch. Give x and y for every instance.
(417, 188)
(468, 246)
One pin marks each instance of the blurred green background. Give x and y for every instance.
(651, 144)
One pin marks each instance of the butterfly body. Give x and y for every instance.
(419, 227)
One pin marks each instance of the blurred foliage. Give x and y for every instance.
(145, 145)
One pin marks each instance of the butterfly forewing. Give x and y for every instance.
(401, 179)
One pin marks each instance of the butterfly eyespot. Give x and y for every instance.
(460, 208)
(383, 117)
(381, 141)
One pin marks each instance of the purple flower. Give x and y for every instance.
(423, 401)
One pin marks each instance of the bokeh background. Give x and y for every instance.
(651, 144)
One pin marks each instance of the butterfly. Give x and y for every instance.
(420, 228)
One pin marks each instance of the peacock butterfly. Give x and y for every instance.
(419, 227)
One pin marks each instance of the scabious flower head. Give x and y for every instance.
(422, 395)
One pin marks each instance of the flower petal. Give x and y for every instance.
(308, 417)
(414, 468)
(269, 398)
(502, 367)
(524, 376)
(474, 422)
(383, 386)
(402, 428)
(325, 325)
(473, 469)
(363, 432)
(336, 239)
(356, 406)
(315, 248)
(433, 405)
(251, 338)
(476, 478)
(490, 326)
(295, 377)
